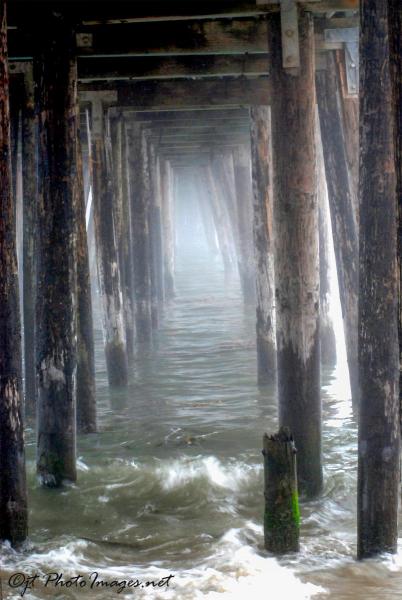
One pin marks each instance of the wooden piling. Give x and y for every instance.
(244, 212)
(168, 229)
(139, 192)
(126, 250)
(55, 73)
(343, 217)
(155, 228)
(86, 398)
(122, 221)
(260, 121)
(106, 251)
(379, 424)
(282, 514)
(297, 254)
(327, 332)
(395, 24)
(29, 200)
(13, 498)
(219, 221)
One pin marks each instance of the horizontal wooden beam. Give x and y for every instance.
(151, 67)
(101, 12)
(186, 94)
(156, 131)
(200, 140)
(221, 36)
(182, 116)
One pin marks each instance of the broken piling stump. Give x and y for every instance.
(281, 516)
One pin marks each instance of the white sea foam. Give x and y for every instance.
(183, 471)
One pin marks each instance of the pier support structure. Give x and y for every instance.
(379, 415)
(13, 498)
(297, 252)
(55, 73)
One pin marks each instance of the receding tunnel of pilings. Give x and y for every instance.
(199, 263)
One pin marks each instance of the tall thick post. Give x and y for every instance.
(243, 196)
(343, 217)
(395, 24)
(379, 426)
(263, 242)
(13, 499)
(297, 255)
(29, 200)
(139, 192)
(168, 228)
(106, 250)
(86, 399)
(55, 72)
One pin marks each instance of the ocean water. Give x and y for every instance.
(172, 483)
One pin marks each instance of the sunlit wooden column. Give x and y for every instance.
(106, 249)
(343, 215)
(261, 158)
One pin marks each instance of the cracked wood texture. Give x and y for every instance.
(13, 498)
(297, 253)
(261, 155)
(55, 73)
(379, 427)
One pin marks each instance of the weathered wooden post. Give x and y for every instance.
(379, 423)
(219, 220)
(13, 498)
(155, 227)
(395, 25)
(29, 201)
(106, 249)
(139, 191)
(344, 223)
(16, 95)
(282, 514)
(206, 216)
(127, 244)
(55, 71)
(168, 228)
(297, 253)
(122, 220)
(261, 160)
(86, 398)
(243, 196)
(327, 332)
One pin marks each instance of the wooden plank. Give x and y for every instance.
(159, 95)
(121, 11)
(151, 67)
(221, 36)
